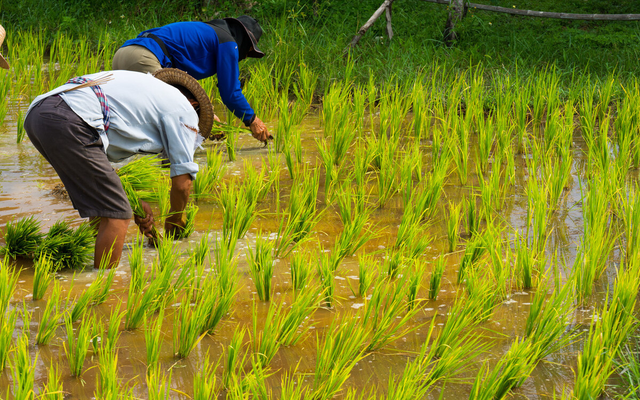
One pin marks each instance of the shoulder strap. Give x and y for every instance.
(160, 43)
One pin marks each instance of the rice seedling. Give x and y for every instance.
(83, 301)
(204, 380)
(190, 217)
(23, 370)
(9, 278)
(238, 211)
(355, 234)
(163, 192)
(136, 206)
(415, 280)
(22, 237)
(153, 340)
(7, 326)
(53, 389)
(109, 339)
(387, 173)
(325, 273)
(331, 170)
(187, 326)
(367, 270)
(453, 225)
(382, 309)
(261, 266)
(108, 385)
(43, 275)
(412, 240)
(292, 386)
(20, 126)
(285, 123)
(472, 253)
(51, 318)
(537, 213)
(235, 358)
(456, 333)
(473, 221)
(482, 291)
(529, 263)
(435, 281)
(159, 385)
(77, 343)
(68, 248)
(337, 354)
(301, 214)
(362, 160)
(301, 268)
(425, 198)
(221, 289)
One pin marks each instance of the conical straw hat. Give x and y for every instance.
(3, 63)
(176, 77)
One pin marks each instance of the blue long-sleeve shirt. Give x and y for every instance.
(196, 48)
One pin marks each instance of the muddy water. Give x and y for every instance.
(27, 185)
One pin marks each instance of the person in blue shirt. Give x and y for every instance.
(202, 49)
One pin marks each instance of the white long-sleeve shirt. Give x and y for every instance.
(146, 116)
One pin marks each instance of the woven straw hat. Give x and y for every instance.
(176, 77)
(3, 63)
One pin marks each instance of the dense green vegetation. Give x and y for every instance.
(317, 31)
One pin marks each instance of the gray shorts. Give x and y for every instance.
(135, 58)
(74, 149)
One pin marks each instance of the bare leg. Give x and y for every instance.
(110, 239)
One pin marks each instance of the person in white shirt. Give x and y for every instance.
(91, 120)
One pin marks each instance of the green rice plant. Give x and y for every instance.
(412, 239)
(231, 139)
(628, 367)
(84, 300)
(187, 326)
(205, 380)
(367, 270)
(282, 328)
(136, 263)
(301, 268)
(77, 343)
(355, 233)
(385, 313)
(426, 197)
(261, 266)
(257, 184)
(153, 340)
(7, 326)
(22, 237)
(108, 385)
(220, 288)
(537, 213)
(292, 386)
(387, 173)
(546, 326)
(190, 217)
(304, 88)
(285, 123)
(415, 280)
(238, 211)
(20, 126)
(159, 384)
(331, 169)
(9, 278)
(473, 221)
(529, 263)
(139, 301)
(301, 214)
(167, 254)
(23, 370)
(163, 192)
(109, 339)
(51, 318)
(134, 202)
(43, 275)
(53, 389)
(458, 151)
(395, 261)
(337, 354)
(435, 281)
(456, 333)
(362, 160)
(453, 225)
(486, 140)
(512, 368)
(473, 252)
(235, 358)
(208, 177)
(325, 273)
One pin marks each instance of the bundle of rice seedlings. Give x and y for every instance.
(136, 206)
(142, 175)
(22, 237)
(66, 247)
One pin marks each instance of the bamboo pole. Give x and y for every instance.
(545, 14)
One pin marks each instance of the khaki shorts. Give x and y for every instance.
(135, 58)
(74, 149)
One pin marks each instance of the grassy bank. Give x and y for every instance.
(316, 33)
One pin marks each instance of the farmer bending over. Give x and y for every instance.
(202, 50)
(91, 120)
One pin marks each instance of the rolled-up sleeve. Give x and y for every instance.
(179, 139)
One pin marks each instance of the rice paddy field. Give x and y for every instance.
(466, 234)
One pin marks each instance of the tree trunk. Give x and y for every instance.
(388, 16)
(457, 11)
